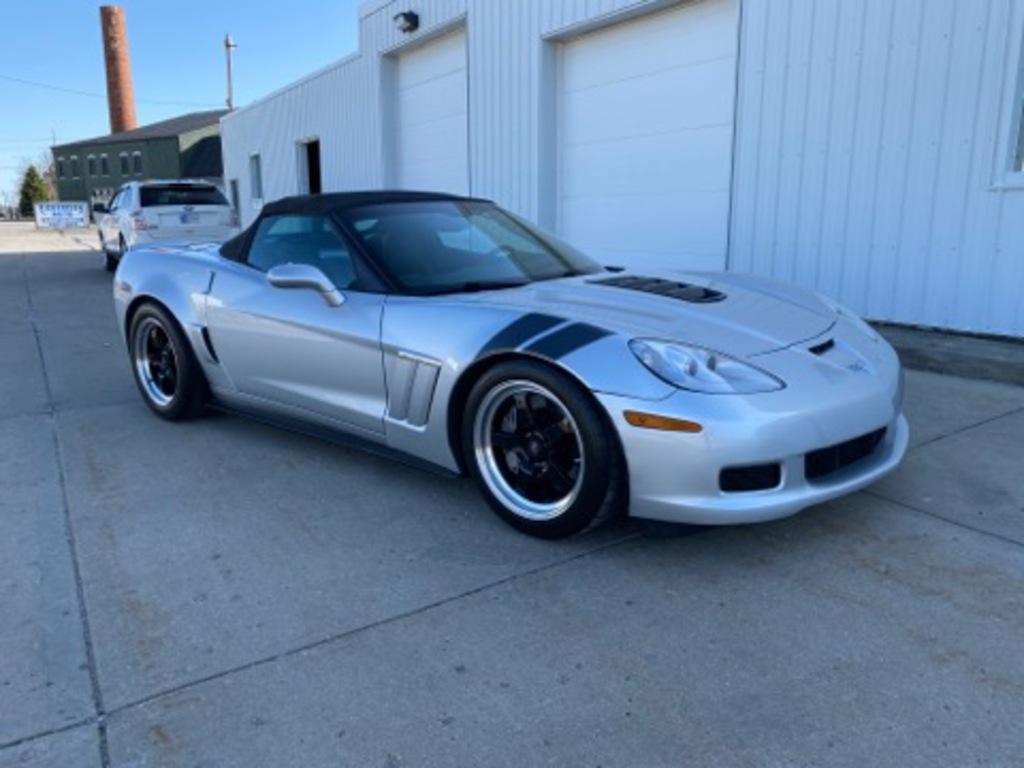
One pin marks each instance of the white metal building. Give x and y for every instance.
(870, 149)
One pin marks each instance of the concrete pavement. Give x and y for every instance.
(219, 593)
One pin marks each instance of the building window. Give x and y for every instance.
(90, 165)
(124, 164)
(60, 167)
(104, 166)
(255, 178)
(137, 163)
(74, 167)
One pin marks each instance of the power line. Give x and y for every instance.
(92, 94)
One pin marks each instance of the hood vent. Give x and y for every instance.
(821, 349)
(668, 288)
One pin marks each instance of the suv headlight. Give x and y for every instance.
(701, 370)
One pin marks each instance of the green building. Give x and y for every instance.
(183, 147)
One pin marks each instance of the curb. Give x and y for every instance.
(958, 354)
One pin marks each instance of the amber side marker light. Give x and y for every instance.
(664, 423)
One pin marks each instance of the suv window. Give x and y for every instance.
(302, 240)
(180, 194)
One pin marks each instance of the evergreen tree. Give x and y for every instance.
(33, 190)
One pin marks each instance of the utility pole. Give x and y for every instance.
(229, 46)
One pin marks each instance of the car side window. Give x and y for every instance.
(300, 239)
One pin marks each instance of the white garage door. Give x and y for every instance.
(432, 136)
(645, 138)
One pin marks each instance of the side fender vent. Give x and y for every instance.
(208, 343)
(411, 388)
(668, 288)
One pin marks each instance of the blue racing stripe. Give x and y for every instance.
(568, 339)
(520, 331)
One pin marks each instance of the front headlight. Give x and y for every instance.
(839, 309)
(701, 370)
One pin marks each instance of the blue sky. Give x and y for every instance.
(177, 56)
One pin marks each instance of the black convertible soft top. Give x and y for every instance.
(334, 201)
(329, 203)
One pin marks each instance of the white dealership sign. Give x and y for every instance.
(62, 215)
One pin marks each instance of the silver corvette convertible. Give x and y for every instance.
(446, 331)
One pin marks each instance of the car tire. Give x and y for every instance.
(542, 451)
(112, 260)
(164, 366)
(109, 262)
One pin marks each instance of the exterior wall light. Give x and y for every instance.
(407, 21)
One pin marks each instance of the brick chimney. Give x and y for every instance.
(120, 93)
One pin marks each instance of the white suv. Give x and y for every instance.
(147, 211)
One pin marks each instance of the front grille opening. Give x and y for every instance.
(824, 461)
(759, 477)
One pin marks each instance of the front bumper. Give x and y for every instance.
(675, 476)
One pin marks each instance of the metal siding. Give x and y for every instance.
(342, 104)
(866, 133)
(865, 137)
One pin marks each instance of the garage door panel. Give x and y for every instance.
(445, 96)
(434, 174)
(681, 259)
(650, 164)
(688, 222)
(683, 36)
(431, 114)
(645, 114)
(444, 138)
(677, 99)
(435, 59)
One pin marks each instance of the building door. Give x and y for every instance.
(644, 137)
(431, 149)
(312, 158)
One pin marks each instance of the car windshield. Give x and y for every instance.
(444, 246)
(180, 194)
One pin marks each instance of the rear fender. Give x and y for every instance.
(181, 286)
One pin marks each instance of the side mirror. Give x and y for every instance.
(305, 276)
(100, 208)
